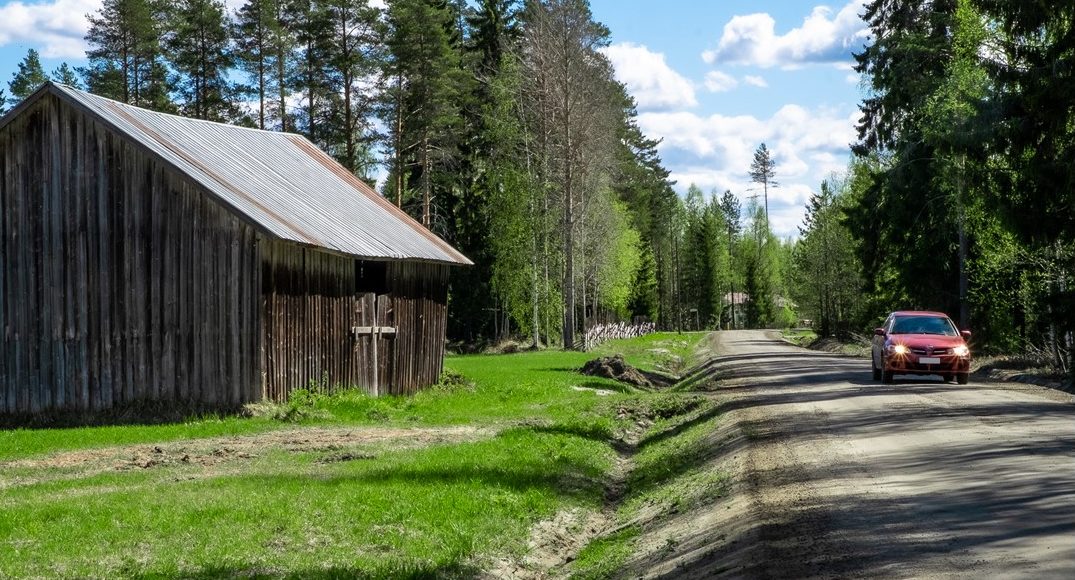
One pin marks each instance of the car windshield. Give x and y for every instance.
(924, 325)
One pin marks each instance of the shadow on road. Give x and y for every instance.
(914, 478)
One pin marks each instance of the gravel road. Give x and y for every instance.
(846, 477)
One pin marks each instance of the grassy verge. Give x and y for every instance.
(662, 352)
(544, 443)
(672, 473)
(799, 336)
(807, 338)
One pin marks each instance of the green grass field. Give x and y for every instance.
(348, 485)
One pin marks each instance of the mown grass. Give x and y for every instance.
(17, 443)
(415, 513)
(435, 511)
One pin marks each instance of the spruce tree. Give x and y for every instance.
(199, 48)
(29, 76)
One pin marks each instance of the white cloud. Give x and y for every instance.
(654, 85)
(715, 152)
(719, 82)
(55, 28)
(823, 38)
(755, 81)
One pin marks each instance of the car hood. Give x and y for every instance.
(924, 340)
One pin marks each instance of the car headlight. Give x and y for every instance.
(898, 349)
(961, 350)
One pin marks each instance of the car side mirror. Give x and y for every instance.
(965, 333)
(879, 331)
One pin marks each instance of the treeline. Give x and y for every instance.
(499, 125)
(961, 196)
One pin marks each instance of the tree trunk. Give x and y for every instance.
(426, 181)
(399, 140)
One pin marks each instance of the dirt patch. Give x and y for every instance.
(552, 546)
(339, 444)
(617, 369)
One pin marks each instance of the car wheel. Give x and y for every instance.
(962, 378)
(886, 377)
(876, 371)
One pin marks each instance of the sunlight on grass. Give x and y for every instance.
(543, 442)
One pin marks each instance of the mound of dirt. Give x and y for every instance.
(614, 367)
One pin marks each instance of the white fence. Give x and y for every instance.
(604, 332)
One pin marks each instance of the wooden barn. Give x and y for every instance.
(146, 257)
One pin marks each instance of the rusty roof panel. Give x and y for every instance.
(282, 182)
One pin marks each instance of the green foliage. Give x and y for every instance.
(28, 77)
(125, 54)
(66, 75)
(262, 43)
(705, 255)
(425, 88)
(645, 298)
(617, 251)
(827, 272)
(762, 172)
(199, 48)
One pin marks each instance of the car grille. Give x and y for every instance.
(936, 351)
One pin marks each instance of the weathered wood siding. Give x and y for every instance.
(314, 301)
(419, 310)
(120, 281)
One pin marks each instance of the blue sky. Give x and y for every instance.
(716, 79)
(713, 79)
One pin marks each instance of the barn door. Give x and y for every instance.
(386, 340)
(374, 342)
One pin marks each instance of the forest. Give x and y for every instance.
(960, 194)
(499, 125)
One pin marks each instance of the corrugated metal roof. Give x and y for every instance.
(279, 181)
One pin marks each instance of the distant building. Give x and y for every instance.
(150, 257)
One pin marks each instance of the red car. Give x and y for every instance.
(920, 343)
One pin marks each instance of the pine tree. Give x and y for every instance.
(3, 102)
(199, 48)
(489, 153)
(309, 77)
(29, 76)
(732, 212)
(125, 55)
(66, 75)
(354, 58)
(261, 51)
(576, 107)
(424, 77)
(762, 171)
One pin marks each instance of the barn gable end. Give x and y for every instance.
(130, 271)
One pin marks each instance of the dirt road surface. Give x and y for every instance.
(842, 476)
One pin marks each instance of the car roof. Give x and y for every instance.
(918, 313)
